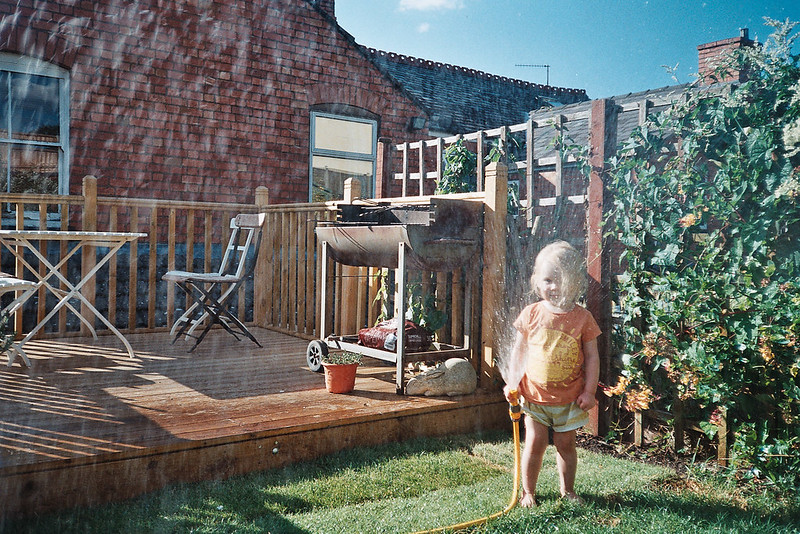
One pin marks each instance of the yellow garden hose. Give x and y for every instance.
(514, 411)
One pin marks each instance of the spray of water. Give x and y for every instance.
(519, 268)
(510, 365)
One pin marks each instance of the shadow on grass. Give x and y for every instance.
(251, 502)
(699, 508)
(645, 510)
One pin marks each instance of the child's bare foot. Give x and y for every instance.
(572, 497)
(528, 500)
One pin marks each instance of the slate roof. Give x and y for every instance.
(462, 100)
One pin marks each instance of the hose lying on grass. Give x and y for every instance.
(514, 411)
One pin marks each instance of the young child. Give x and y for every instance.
(557, 341)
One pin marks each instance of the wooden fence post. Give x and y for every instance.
(88, 255)
(723, 435)
(262, 264)
(602, 141)
(678, 422)
(493, 303)
(638, 428)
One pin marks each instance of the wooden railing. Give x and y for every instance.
(129, 291)
(283, 295)
(287, 269)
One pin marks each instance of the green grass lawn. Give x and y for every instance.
(428, 483)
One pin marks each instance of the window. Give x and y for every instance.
(34, 126)
(341, 147)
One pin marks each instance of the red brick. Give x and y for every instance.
(153, 107)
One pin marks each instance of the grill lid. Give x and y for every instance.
(441, 236)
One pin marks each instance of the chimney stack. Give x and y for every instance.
(710, 56)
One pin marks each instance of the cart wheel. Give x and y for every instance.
(314, 353)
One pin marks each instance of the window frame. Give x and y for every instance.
(20, 64)
(323, 152)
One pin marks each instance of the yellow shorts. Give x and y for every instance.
(561, 418)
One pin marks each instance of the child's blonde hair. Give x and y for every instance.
(568, 262)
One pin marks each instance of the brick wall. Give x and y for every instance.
(198, 99)
(712, 56)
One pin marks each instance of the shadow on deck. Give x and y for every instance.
(86, 424)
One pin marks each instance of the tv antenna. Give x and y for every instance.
(536, 67)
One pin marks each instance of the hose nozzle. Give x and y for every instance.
(514, 408)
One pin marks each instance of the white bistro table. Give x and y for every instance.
(17, 241)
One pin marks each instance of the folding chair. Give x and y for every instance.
(27, 289)
(238, 263)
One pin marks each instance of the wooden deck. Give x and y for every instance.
(86, 424)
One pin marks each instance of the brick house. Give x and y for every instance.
(199, 99)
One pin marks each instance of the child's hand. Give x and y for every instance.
(586, 401)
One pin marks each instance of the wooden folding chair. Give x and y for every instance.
(24, 290)
(238, 263)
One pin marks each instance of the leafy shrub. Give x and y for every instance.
(707, 207)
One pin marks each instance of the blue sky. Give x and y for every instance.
(606, 47)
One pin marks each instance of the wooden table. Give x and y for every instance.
(17, 241)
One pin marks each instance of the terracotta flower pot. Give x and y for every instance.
(340, 378)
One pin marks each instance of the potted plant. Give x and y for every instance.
(340, 371)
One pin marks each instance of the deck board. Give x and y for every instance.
(85, 409)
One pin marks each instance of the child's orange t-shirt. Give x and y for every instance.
(553, 350)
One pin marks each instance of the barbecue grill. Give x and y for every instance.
(443, 235)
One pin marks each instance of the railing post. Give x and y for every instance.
(383, 173)
(493, 302)
(349, 318)
(352, 190)
(261, 271)
(529, 159)
(88, 255)
(480, 155)
(404, 187)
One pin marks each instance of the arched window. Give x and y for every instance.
(34, 126)
(341, 147)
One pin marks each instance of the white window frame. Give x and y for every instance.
(28, 65)
(358, 156)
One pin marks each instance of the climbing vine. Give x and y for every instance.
(706, 203)
(458, 175)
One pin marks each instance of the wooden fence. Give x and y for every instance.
(557, 202)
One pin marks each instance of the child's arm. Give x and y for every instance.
(591, 370)
(516, 366)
